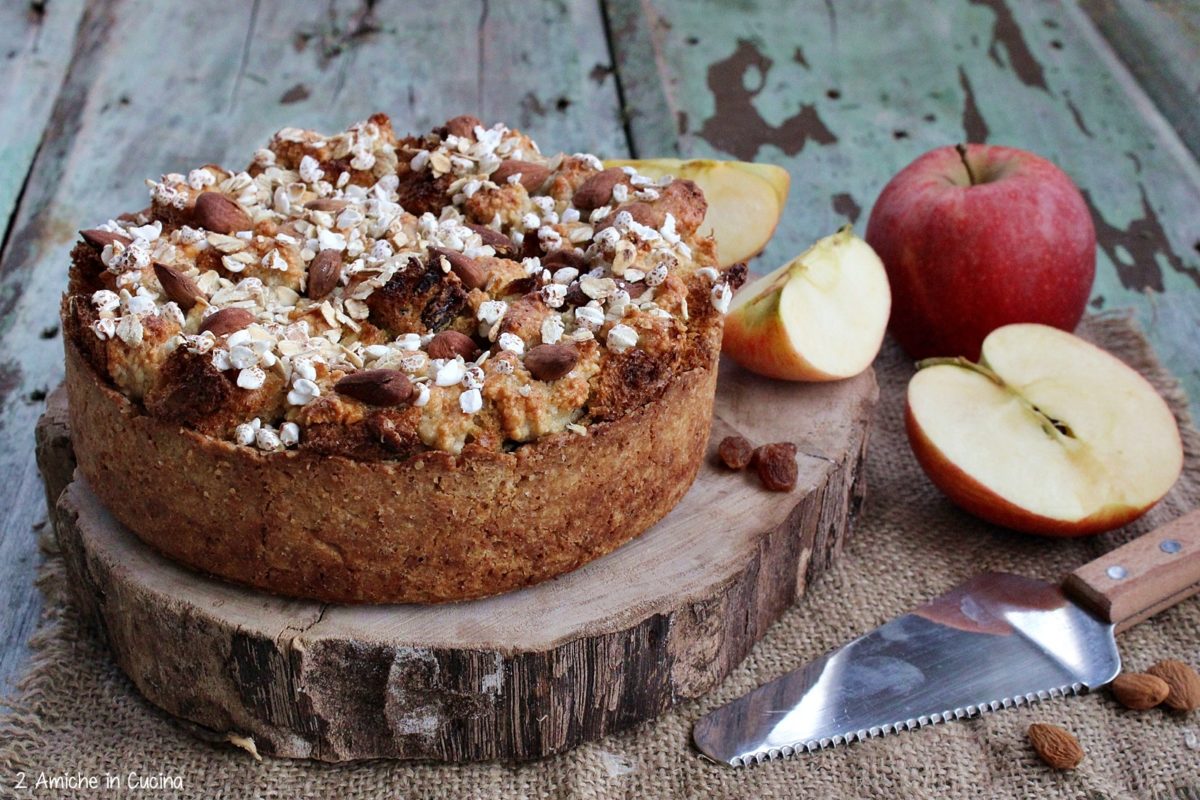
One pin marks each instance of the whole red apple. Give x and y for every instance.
(980, 236)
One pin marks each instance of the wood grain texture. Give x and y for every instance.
(138, 100)
(518, 676)
(1160, 43)
(846, 94)
(1145, 576)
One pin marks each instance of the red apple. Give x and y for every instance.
(977, 237)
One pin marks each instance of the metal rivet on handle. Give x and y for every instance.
(1171, 546)
(1116, 572)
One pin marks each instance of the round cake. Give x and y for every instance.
(376, 369)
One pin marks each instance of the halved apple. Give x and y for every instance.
(745, 200)
(1048, 434)
(820, 317)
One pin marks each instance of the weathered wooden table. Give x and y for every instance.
(95, 96)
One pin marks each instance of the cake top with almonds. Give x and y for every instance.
(373, 296)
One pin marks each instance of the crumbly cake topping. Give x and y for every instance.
(430, 288)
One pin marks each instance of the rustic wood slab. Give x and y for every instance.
(518, 676)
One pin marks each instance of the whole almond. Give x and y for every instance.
(1140, 691)
(463, 125)
(376, 387)
(468, 270)
(1184, 683)
(227, 320)
(549, 362)
(217, 213)
(449, 344)
(532, 175)
(177, 286)
(597, 190)
(566, 258)
(503, 245)
(98, 238)
(1056, 746)
(735, 451)
(324, 272)
(776, 466)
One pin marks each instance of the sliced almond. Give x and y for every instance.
(376, 387)
(532, 175)
(549, 362)
(177, 286)
(216, 212)
(324, 272)
(226, 321)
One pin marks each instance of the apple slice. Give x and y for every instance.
(745, 200)
(820, 317)
(1047, 434)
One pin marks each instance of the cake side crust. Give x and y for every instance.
(431, 528)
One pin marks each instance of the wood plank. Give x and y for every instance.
(36, 42)
(516, 676)
(846, 94)
(1160, 44)
(262, 66)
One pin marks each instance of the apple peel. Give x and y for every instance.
(1048, 434)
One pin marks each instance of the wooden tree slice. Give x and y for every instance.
(518, 676)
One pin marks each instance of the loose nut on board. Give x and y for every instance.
(1139, 691)
(1184, 683)
(1055, 746)
(549, 362)
(227, 320)
(376, 387)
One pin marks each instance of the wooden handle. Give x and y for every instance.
(1150, 574)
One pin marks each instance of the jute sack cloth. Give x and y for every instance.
(75, 712)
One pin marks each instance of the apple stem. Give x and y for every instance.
(962, 153)
(1054, 428)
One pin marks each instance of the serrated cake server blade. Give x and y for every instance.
(995, 641)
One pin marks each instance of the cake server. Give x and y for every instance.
(996, 641)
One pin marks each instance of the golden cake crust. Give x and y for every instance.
(371, 369)
(432, 528)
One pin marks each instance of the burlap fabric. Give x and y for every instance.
(75, 712)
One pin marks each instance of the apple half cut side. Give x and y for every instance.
(745, 200)
(1048, 434)
(820, 317)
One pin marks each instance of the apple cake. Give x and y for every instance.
(371, 368)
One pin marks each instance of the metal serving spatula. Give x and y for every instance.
(996, 641)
